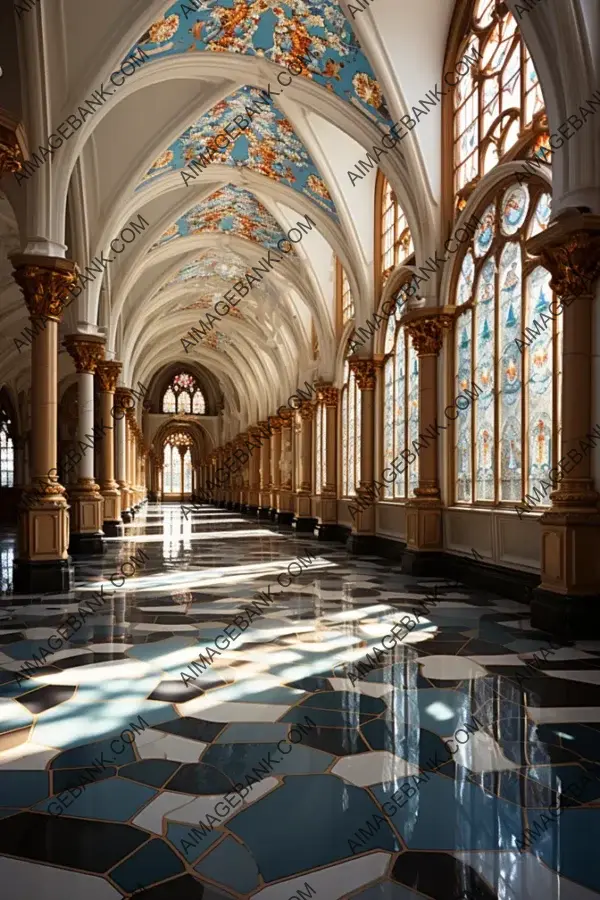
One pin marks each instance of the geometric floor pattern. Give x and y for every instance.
(461, 759)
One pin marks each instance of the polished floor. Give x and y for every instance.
(145, 753)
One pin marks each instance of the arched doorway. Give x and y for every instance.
(177, 466)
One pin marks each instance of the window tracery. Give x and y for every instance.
(396, 239)
(183, 395)
(401, 407)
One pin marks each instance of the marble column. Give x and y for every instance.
(264, 504)
(362, 538)
(424, 535)
(43, 562)
(275, 459)
(108, 372)
(567, 602)
(286, 500)
(254, 472)
(304, 520)
(87, 503)
(123, 400)
(327, 528)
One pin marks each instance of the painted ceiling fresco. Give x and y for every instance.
(227, 265)
(268, 146)
(317, 33)
(230, 210)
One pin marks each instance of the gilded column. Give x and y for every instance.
(87, 503)
(264, 507)
(108, 374)
(327, 528)
(424, 537)
(123, 401)
(254, 471)
(567, 600)
(276, 424)
(43, 562)
(285, 507)
(304, 519)
(362, 537)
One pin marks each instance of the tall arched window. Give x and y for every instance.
(7, 452)
(350, 403)
(401, 407)
(177, 469)
(498, 103)
(509, 349)
(396, 243)
(345, 303)
(184, 396)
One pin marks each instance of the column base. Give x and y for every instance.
(304, 524)
(87, 543)
(328, 531)
(237, 506)
(570, 617)
(152, 496)
(264, 512)
(113, 528)
(52, 577)
(284, 518)
(361, 544)
(252, 510)
(126, 516)
(422, 563)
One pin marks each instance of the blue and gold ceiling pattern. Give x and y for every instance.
(282, 32)
(230, 210)
(268, 146)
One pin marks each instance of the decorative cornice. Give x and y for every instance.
(427, 333)
(365, 371)
(108, 374)
(44, 284)
(85, 351)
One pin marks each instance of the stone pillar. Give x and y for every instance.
(128, 463)
(108, 374)
(285, 503)
(276, 424)
(123, 401)
(328, 528)
(264, 508)
(424, 537)
(362, 538)
(567, 602)
(254, 472)
(87, 503)
(304, 520)
(43, 562)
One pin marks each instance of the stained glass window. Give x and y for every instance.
(396, 240)
(184, 396)
(401, 408)
(504, 349)
(345, 301)
(351, 432)
(497, 100)
(7, 453)
(175, 472)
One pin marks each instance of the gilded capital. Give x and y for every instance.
(45, 286)
(108, 373)
(570, 250)
(276, 423)
(11, 157)
(366, 373)
(427, 333)
(124, 398)
(328, 394)
(306, 410)
(86, 353)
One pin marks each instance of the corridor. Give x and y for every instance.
(244, 717)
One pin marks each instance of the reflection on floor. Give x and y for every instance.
(451, 762)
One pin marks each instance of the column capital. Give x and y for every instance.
(286, 421)
(328, 394)
(11, 153)
(276, 423)
(365, 371)
(108, 373)
(306, 410)
(254, 431)
(122, 397)
(45, 281)
(86, 351)
(427, 332)
(570, 249)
